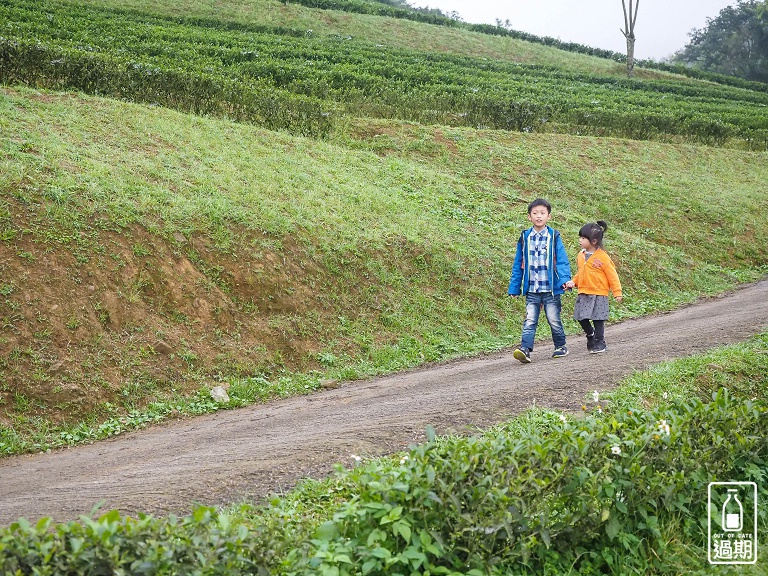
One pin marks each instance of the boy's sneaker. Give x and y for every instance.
(598, 347)
(590, 342)
(560, 352)
(523, 355)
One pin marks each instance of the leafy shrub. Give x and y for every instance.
(591, 496)
(205, 543)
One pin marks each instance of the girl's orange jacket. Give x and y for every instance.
(597, 275)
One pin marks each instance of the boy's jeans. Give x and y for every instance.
(533, 303)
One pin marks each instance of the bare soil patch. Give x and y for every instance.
(98, 315)
(255, 451)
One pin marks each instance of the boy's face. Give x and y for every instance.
(539, 216)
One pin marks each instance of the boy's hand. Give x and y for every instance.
(570, 284)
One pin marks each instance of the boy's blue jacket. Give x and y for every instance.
(558, 265)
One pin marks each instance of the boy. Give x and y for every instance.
(540, 271)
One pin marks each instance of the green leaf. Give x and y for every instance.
(375, 536)
(545, 537)
(382, 553)
(76, 544)
(613, 527)
(202, 514)
(403, 528)
(327, 531)
(413, 556)
(342, 558)
(43, 524)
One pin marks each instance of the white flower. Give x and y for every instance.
(664, 395)
(404, 459)
(595, 396)
(563, 418)
(356, 458)
(616, 450)
(664, 427)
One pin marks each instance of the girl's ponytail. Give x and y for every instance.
(603, 224)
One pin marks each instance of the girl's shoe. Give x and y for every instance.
(598, 347)
(590, 342)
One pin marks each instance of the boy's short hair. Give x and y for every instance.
(540, 202)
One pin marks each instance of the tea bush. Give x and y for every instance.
(206, 542)
(591, 496)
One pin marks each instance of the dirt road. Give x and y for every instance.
(255, 451)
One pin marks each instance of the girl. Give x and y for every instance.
(595, 278)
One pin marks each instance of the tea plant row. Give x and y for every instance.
(306, 83)
(431, 17)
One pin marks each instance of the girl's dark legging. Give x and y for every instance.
(598, 330)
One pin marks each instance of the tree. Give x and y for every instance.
(630, 17)
(734, 43)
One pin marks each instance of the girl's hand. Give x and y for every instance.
(570, 284)
(618, 298)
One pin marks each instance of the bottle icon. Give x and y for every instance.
(733, 512)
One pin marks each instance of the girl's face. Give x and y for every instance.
(585, 243)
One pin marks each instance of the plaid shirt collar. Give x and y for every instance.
(541, 234)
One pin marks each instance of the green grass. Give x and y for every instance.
(741, 368)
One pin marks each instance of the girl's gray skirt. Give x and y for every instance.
(590, 307)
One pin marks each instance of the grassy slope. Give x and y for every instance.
(251, 252)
